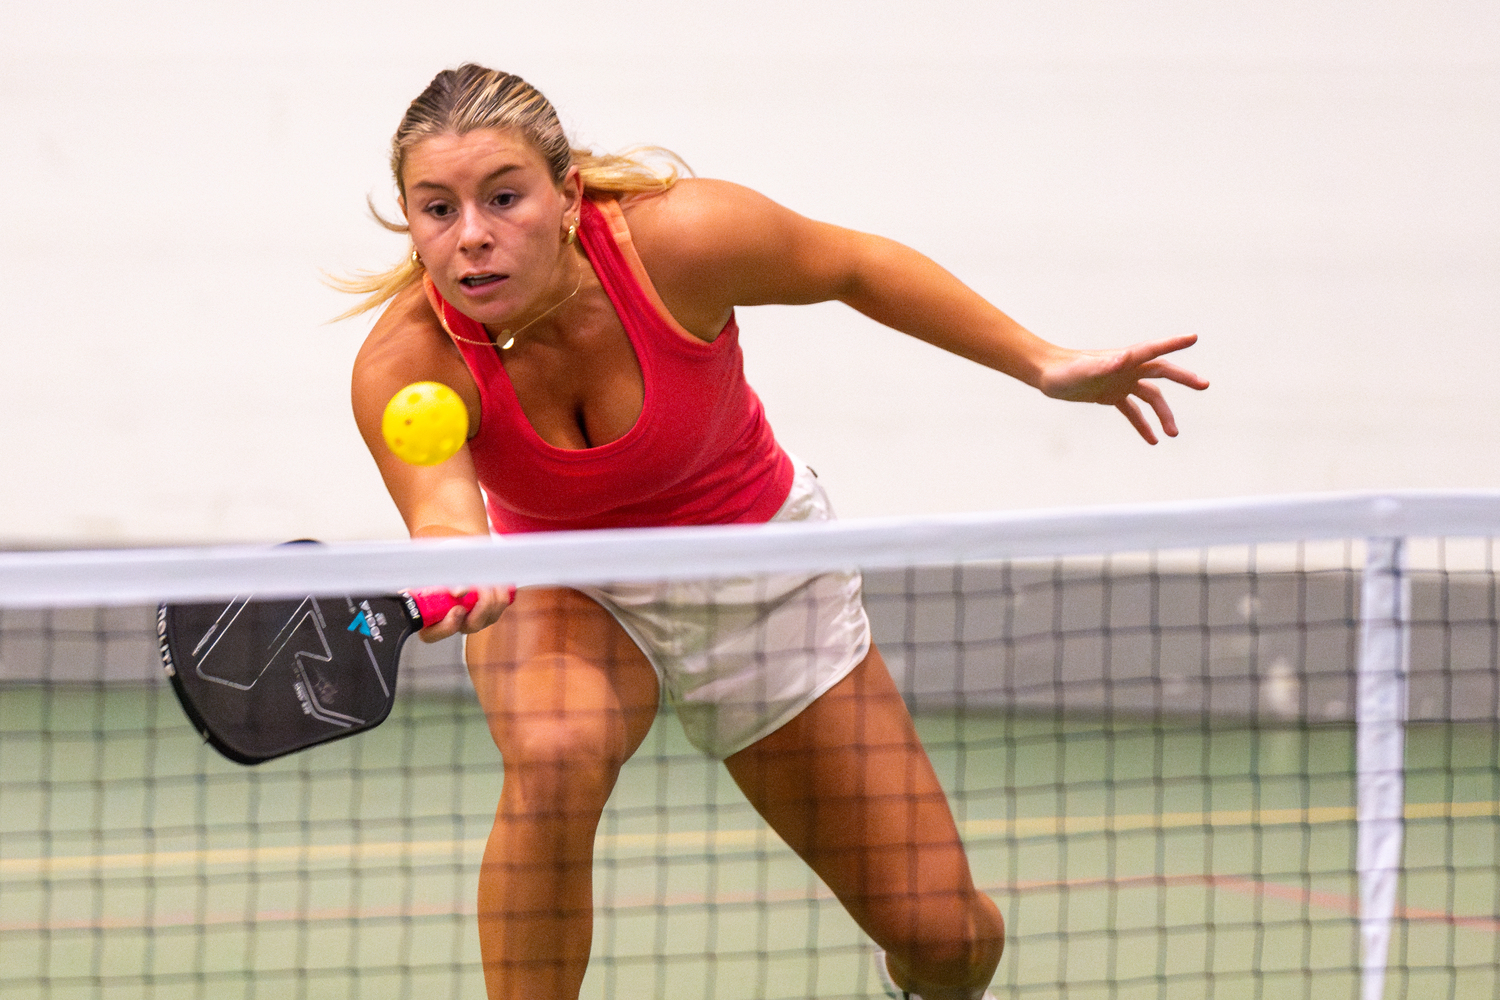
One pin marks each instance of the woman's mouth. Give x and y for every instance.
(480, 280)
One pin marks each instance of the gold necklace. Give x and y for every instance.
(511, 335)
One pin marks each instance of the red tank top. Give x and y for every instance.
(701, 451)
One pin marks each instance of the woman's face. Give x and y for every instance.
(488, 222)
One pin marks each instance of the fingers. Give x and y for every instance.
(1114, 377)
(1148, 349)
(1154, 398)
(443, 629)
(1137, 419)
(1181, 376)
(1171, 372)
(1141, 361)
(1146, 356)
(476, 609)
(492, 601)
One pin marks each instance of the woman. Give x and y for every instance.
(583, 309)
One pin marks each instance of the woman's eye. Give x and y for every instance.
(438, 210)
(505, 199)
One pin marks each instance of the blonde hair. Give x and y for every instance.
(469, 98)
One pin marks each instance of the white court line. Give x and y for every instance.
(691, 841)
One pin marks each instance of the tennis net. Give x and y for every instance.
(1232, 749)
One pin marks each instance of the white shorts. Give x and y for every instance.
(739, 658)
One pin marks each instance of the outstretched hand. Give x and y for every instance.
(1111, 378)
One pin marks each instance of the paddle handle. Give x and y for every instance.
(435, 604)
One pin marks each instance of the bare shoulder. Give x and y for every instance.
(696, 219)
(692, 199)
(710, 245)
(407, 344)
(405, 334)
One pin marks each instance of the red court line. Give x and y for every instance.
(1348, 904)
(1337, 902)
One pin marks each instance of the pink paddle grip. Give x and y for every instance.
(435, 604)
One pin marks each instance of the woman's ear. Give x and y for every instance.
(572, 192)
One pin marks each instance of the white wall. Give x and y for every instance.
(1310, 186)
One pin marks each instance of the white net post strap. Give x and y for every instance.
(1381, 734)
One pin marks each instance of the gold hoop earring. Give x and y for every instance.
(572, 232)
(416, 258)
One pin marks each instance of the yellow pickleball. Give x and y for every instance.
(425, 423)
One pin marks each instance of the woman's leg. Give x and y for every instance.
(568, 697)
(848, 786)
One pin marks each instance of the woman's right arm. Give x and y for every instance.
(406, 345)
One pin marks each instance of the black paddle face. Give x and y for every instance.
(262, 679)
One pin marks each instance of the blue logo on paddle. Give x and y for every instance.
(360, 624)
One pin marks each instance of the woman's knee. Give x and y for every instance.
(563, 757)
(951, 945)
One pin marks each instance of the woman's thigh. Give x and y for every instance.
(849, 787)
(557, 674)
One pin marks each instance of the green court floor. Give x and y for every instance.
(1131, 859)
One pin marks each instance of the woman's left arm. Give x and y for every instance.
(711, 245)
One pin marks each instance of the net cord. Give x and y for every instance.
(137, 576)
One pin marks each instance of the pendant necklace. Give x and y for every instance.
(510, 335)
